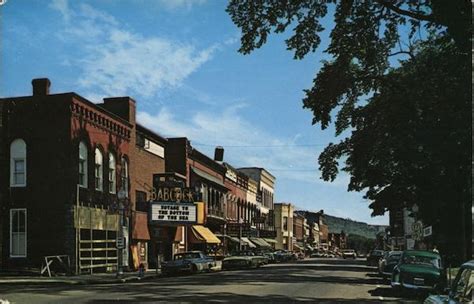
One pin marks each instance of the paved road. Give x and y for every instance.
(310, 281)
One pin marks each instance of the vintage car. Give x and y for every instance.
(419, 270)
(243, 260)
(348, 253)
(461, 289)
(374, 257)
(188, 262)
(283, 256)
(388, 262)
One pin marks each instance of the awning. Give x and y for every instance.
(207, 176)
(230, 238)
(204, 235)
(260, 242)
(249, 243)
(270, 241)
(140, 226)
(309, 247)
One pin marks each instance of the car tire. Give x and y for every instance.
(194, 269)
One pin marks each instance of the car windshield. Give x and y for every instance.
(394, 257)
(187, 256)
(377, 253)
(416, 259)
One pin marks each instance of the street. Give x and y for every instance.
(311, 281)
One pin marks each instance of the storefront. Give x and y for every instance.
(201, 238)
(140, 239)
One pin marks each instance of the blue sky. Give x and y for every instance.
(178, 59)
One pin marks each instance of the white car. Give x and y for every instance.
(349, 253)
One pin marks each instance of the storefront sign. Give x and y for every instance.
(427, 231)
(172, 213)
(172, 194)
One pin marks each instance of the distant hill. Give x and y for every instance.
(337, 224)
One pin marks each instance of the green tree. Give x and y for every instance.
(409, 125)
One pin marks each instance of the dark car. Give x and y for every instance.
(388, 262)
(349, 253)
(374, 257)
(188, 262)
(461, 289)
(243, 260)
(418, 269)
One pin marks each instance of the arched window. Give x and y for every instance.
(124, 176)
(112, 179)
(82, 165)
(98, 170)
(18, 163)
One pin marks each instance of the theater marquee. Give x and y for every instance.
(172, 213)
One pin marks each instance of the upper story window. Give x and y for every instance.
(82, 165)
(18, 163)
(285, 223)
(124, 176)
(112, 171)
(98, 170)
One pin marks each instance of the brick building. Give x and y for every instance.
(206, 177)
(146, 158)
(63, 161)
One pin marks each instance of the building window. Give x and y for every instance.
(112, 179)
(17, 233)
(98, 170)
(124, 176)
(82, 165)
(285, 223)
(18, 163)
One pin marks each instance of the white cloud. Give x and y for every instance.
(229, 128)
(118, 61)
(61, 6)
(180, 4)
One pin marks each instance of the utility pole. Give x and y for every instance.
(121, 195)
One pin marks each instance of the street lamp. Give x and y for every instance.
(121, 195)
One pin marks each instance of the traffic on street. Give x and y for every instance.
(311, 280)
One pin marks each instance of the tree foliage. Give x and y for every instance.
(409, 125)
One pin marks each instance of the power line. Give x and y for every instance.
(258, 146)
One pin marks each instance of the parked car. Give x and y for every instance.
(388, 262)
(243, 260)
(374, 257)
(188, 262)
(283, 256)
(270, 257)
(461, 289)
(317, 255)
(348, 253)
(419, 269)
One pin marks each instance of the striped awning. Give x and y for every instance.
(260, 242)
(249, 243)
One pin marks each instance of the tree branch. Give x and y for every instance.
(403, 12)
(403, 52)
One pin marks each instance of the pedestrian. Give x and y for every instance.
(141, 270)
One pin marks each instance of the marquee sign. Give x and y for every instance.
(172, 213)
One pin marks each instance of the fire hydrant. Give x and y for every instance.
(141, 270)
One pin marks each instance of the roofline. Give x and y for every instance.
(259, 168)
(80, 98)
(154, 134)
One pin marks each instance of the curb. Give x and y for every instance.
(76, 282)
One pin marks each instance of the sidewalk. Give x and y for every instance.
(85, 279)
